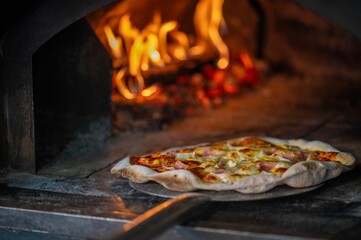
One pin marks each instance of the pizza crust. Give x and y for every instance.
(302, 174)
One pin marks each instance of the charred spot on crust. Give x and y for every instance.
(132, 160)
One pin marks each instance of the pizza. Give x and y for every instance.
(247, 165)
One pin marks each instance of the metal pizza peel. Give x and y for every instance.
(160, 218)
(156, 189)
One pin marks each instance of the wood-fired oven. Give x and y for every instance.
(76, 97)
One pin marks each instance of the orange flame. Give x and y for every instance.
(207, 20)
(160, 44)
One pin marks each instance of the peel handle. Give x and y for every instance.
(160, 218)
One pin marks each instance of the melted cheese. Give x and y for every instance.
(230, 160)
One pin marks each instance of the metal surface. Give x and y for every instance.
(94, 207)
(157, 220)
(224, 196)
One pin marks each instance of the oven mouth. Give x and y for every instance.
(70, 112)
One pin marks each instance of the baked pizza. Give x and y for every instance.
(246, 165)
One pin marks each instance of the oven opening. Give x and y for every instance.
(135, 77)
(132, 75)
(170, 62)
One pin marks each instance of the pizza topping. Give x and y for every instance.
(210, 169)
(230, 164)
(266, 166)
(278, 171)
(283, 165)
(323, 156)
(210, 163)
(219, 165)
(290, 156)
(253, 142)
(269, 151)
(180, 165)
(211, 178)
(230, 160)
(185, 155)
(250, 169)
(303, 155)
(203, 151)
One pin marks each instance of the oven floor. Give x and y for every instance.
(49, 207)
(78, 198)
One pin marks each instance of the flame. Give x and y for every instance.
(207, 20)
(149, 91)
(137, 51)
(163, 32)
(115, 44)
(120, 83)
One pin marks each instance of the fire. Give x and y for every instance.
(136, 52)
(207, 20)
(115, 43)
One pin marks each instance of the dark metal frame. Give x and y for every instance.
(18, 47)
